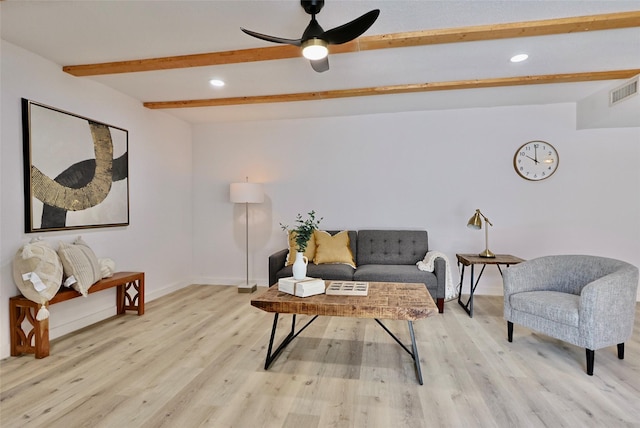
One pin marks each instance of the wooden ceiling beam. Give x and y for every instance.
(610, 21)
(544, 27)
(400, 89)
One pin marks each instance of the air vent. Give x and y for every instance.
(623, 92)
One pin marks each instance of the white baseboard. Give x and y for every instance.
(489, 290)
(228, 281)
(107, 312)
(152, 295)
(77, 324)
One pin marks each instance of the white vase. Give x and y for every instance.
(300, 266)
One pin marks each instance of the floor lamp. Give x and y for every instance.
(246, 193)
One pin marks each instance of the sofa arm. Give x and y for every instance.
(607, 308)
(276, 262)
(440, 271)
(531, 275)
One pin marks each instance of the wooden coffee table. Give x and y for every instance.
(386, 300)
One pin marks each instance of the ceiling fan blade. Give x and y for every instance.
(351, 30)
(294, 42)
(320, 65)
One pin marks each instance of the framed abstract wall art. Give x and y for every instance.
(76, 172)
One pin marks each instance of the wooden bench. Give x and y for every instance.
(129, 297)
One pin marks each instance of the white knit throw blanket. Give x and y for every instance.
(428, 265)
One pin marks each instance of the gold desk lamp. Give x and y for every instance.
(475, 222)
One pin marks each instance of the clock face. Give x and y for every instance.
(536, 160)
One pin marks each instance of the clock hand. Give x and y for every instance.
(535, 147)
(532, 159)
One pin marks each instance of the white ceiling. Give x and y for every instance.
(94, 31)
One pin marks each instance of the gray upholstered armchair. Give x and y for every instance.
(587, 301)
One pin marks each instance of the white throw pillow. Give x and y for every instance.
(37, 272)
(80, 262)
(107, 267)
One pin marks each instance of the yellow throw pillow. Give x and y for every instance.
(310, 252)
(333, 249)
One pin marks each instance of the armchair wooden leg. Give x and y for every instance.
(590, 360)
(509, 331)
(621, 351)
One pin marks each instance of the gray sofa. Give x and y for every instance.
(380, 255)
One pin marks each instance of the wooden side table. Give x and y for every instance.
(472, 260)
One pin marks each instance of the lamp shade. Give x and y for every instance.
(475, 222)
(252, 193)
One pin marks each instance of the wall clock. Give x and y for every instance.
(536, 160)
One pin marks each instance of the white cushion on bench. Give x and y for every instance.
(37, 257)
(79, 260)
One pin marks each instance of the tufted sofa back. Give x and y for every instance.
(391, 247)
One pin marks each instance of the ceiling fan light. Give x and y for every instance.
(314, 49)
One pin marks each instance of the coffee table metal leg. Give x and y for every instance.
(416, 358)
(292, 335)
(414, 349)
(271, 356)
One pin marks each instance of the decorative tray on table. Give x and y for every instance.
(348, 288)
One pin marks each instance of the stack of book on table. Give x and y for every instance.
(301, 287)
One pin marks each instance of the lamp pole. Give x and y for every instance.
(246, 193)
(246, 238)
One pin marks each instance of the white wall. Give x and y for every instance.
(594, 111)
(159, 238)
(419, 170)
(414, 170)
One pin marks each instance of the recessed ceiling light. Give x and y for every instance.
(519, 57)
(216, 82)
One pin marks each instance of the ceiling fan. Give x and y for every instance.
(314, 40)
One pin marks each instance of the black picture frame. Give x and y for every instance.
(76, 171)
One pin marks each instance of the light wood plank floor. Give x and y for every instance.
(196, 359)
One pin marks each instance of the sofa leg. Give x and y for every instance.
(621, 351)
(590, 359)
(440, 304)
(509, 331)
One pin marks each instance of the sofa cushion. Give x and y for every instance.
(395, 273)
(391, 247)
(331, 272)
(333, 248)
(552, 305)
